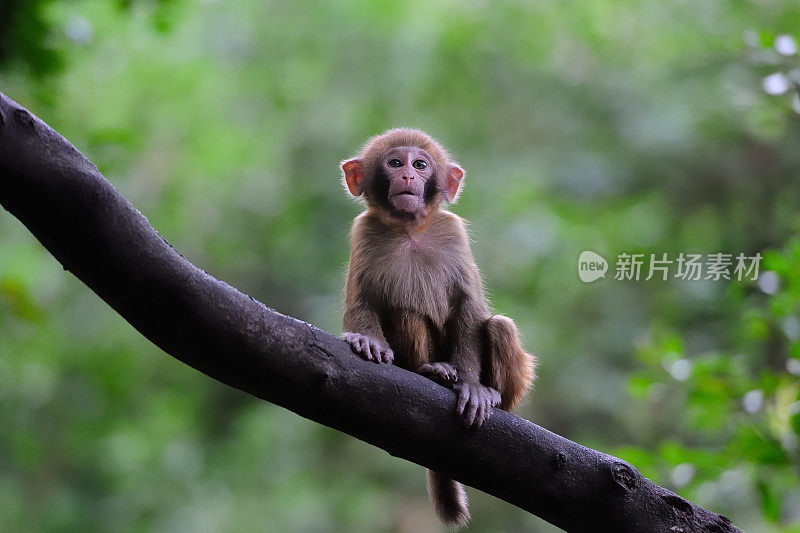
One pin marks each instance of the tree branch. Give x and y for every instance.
(97, 235)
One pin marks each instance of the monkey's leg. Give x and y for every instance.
(510, 369)
(409, 337)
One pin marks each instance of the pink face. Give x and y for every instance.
(408, 169)
(406, 181)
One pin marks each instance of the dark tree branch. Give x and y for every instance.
(98, 236)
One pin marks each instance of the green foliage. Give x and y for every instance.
(739, 408)
(24, 33)
(638, 127)
(32, 35)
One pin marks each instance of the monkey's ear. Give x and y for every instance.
(452, 182)
(354, 176)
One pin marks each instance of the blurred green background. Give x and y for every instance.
(644, 126)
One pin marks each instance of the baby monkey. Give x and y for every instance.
(414, 295)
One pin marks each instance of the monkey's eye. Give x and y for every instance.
(395, 163)
(420, 164)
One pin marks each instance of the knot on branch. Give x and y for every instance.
(678, 503)
(24, 118)
(624, 475)
(721, 524)
(559, 460)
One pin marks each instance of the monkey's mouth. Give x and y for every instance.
(406, 201)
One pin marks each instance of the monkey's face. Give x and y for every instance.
(397, 177)
(410, 173)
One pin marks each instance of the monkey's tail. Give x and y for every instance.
(449, 500)
(511, 369)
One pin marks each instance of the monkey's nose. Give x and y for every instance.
(408, 178)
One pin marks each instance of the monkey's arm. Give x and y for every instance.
(362, 327)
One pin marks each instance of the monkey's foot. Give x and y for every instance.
(442, 373)
(368, 347)
(475, 402)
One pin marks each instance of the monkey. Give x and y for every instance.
(414, 295)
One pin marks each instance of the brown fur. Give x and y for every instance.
(450, 502)
(413, 285)
(510, 369)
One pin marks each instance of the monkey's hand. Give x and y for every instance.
(475, 402)
(369, 348)
(442, 373)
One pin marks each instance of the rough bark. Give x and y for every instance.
(98, 236)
